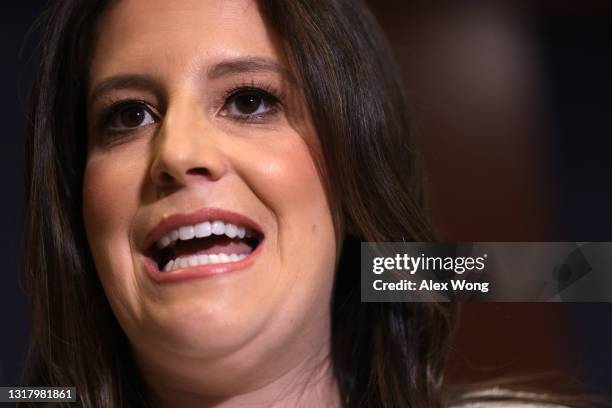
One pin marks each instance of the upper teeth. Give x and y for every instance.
(202, 230)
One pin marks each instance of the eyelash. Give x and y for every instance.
(265, 93)
(116, 107)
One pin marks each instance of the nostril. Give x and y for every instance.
(199, 171)
(166, 178)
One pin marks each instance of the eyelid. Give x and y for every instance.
(114, 107)
(264, 90)
(253, 87)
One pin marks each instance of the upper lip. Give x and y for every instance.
(173, 221)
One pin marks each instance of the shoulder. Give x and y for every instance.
(504, 398)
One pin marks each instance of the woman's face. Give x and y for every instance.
(198, 143)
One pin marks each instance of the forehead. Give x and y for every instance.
(174, 37)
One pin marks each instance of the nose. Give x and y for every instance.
(186, 150)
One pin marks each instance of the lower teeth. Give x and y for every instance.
(196, 260)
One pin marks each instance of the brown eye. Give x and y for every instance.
(250, 104)
(130, 115)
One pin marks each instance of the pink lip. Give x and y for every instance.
(205, 214)
(174, 221)
(200, 271)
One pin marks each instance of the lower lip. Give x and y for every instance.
(200, 271)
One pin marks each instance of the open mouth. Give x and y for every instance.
(205, 243)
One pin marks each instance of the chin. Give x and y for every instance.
(202, 328)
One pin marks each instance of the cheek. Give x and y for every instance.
(106, 196)
(287, 180)
(110, 201)
(285, 177)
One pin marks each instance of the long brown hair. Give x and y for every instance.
(383, 354)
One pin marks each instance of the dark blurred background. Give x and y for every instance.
(512, 107)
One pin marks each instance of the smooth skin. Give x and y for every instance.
(167, 134)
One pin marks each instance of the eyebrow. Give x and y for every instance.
(242, 65)
(125, 81)
(229, 67)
